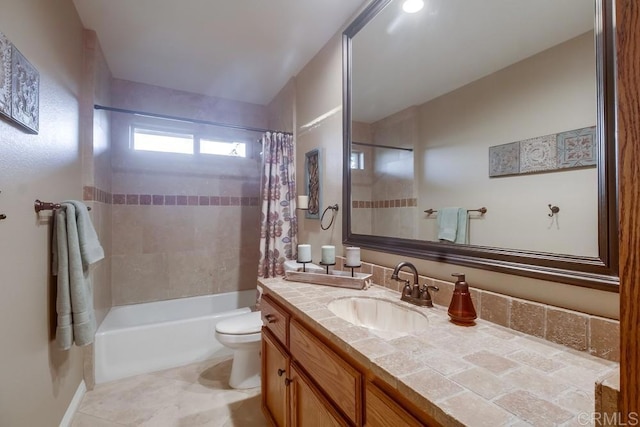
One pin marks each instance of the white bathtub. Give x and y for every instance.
(140, 338)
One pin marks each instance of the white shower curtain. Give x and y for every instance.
(279, 228)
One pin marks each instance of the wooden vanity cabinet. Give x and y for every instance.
(275, 371)
(382, 411)
(306, 382)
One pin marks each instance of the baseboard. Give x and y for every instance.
(73, 406)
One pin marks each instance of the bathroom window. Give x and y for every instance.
(223, 148)
(184, 142)
(357, 160)
(163, 141)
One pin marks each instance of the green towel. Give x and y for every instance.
(453, 224)
(75, 247)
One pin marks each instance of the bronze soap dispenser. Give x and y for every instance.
(461, 309)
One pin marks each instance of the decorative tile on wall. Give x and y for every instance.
(571, 149)
(376, 204)
(577, 148)
(504, 159)
(538, 154)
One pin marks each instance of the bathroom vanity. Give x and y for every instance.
(318, 364)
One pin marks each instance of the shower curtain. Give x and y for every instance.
(278, 228)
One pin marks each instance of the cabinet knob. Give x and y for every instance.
(280, 372)
(270, 318)
(287, 381)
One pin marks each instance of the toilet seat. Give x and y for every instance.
(243, 324)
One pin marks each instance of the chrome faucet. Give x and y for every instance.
(413, 294)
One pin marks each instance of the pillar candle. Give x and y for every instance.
(303, 202)
(304, 253)
(353, 256)
(328, 254)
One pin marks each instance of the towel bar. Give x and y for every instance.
(48, 206)
(482, 211)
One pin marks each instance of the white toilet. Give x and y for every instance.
(242, 334)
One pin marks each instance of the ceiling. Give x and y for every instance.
(245, 50)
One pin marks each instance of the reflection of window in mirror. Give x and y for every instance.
(357, 160)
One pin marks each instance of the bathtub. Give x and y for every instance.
(140, 338)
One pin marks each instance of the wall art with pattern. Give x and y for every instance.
(566, 150)
(19, 87)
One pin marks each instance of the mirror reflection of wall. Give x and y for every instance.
(550, 90)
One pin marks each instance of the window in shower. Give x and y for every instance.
(223, 148)
(184, 142)
(163, 141)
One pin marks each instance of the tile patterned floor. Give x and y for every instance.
(192, 395)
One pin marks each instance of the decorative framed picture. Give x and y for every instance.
(5, 76)
(312, 179)
(25, 88)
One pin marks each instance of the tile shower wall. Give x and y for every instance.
(383, 192)
(188, 226)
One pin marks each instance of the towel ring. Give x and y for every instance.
(334, 209)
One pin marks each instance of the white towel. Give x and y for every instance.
(75, 247)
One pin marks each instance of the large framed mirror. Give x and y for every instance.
(482, 133)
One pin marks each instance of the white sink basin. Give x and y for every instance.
(378, 314)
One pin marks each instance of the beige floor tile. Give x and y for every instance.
(192, 395)
(84, 420)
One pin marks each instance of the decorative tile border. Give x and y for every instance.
(181, 200)
(377, 204)
(90, 193)
(565, 150)
(98, 195)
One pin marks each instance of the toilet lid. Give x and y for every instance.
(249, 323)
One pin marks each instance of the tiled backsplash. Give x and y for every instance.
(597, 335)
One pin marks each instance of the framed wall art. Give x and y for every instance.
(5, 76)
(313, 181)
(25, 88)
(19, 87)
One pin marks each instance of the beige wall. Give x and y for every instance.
(162, 249)
(318, 92)
(319, 125)
(551, 92)
(38, 381)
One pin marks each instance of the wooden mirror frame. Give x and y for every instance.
(599, 272)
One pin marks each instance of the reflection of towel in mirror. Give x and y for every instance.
(75, 247)
(453, 224)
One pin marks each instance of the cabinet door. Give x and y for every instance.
(382, 411)
(338, 380)
(275, 371)
(308, 406)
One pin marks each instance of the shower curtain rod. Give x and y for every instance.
(381, 146)
(183, 119)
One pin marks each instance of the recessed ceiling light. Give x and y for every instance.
(412, 6)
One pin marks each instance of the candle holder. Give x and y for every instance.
(304, 264)
(327, 265)
(352, 267)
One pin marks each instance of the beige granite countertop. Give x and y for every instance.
(484, 375)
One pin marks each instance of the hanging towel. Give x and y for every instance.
(453, 224)
(75, 247)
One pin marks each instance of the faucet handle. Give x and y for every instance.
(424, 294)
